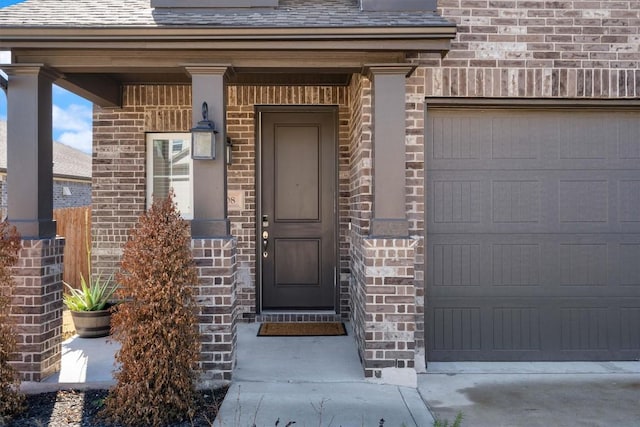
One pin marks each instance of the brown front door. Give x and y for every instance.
(298, 213)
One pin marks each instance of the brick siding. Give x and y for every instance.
(538, 48)
(216, 264)
(119, 161)
(384, 304)
(414, 167)
(504, 49)
(80, 194)
(37, 308)
(119, 175)
(383, 280)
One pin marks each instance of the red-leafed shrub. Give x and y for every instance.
(156, 323)
(11, 400)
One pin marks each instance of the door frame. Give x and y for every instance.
(258, 111)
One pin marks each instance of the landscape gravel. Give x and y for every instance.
(82, 409)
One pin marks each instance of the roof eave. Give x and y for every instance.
(11, 35)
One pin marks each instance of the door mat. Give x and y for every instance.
(302, 329)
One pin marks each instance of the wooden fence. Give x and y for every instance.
(73, 224)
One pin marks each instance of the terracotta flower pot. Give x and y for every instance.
(92, 324)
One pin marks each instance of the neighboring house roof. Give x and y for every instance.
(136, 13)
(67, 161)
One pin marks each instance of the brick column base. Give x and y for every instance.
(384, 308)
(37, 308)
(216, 264)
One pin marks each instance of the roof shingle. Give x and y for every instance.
(138, 13)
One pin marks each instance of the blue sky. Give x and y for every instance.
(4, 3)
(72, 115)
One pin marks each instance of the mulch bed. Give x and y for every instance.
(81, 408)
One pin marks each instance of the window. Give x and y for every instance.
(169, 165)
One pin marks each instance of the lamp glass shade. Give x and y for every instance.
(203, 145)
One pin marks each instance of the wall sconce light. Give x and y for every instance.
(229, 151)
(203, 137)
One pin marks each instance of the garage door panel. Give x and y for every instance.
(491, 139)
(628, 202)
(629, 334)
(525, 265)
(628, 265)
(533, 235)
(539, 329)
(533, 201)
(512, 330)
(516, 328)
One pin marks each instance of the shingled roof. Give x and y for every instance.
(138, 13)
(67, 161)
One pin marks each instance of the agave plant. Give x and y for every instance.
(93, 295)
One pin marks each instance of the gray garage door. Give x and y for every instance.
(533, 234)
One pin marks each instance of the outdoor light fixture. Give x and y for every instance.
(229, 149)
(203, 137)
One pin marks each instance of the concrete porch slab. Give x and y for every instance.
(312, 381)
(87, 363)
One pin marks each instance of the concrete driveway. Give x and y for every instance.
(534, 394)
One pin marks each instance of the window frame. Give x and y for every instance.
(151, 137)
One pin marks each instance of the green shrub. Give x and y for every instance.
(11, 400)
(456, 423)
(156, 323)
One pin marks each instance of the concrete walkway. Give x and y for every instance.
(318, 381)
(314, 381)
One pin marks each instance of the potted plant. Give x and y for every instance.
(90, 306)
